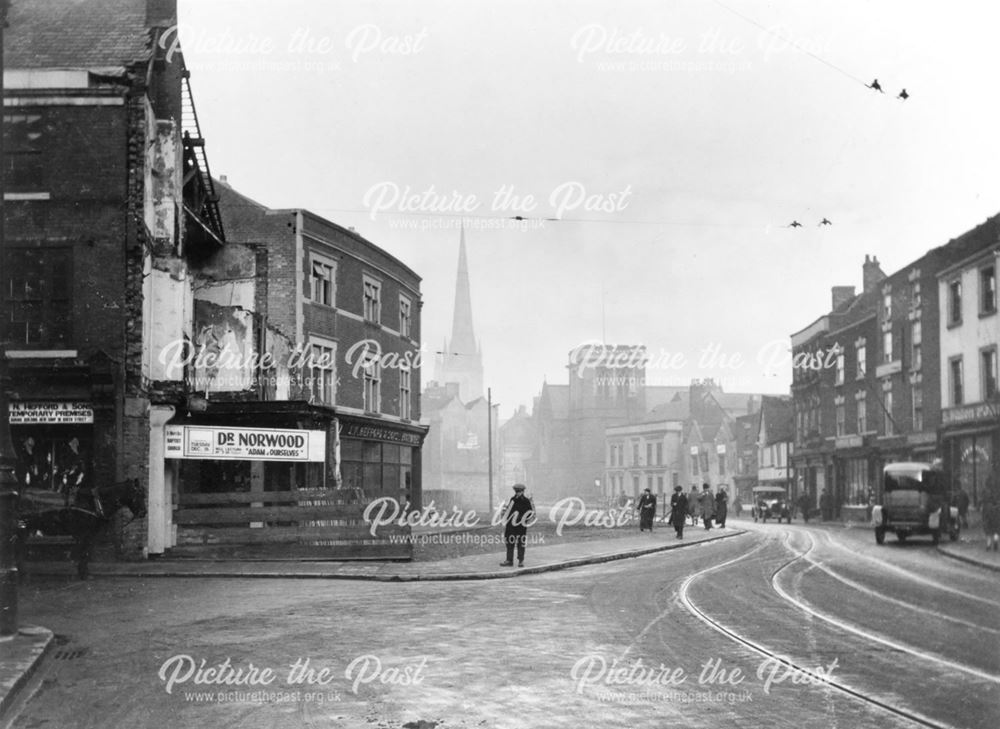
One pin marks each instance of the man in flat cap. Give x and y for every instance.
(519, 512)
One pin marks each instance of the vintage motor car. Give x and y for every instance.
(915, 500)
(771, 502)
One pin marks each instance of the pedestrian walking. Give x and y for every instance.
(803, 505)
(694, 499)
(738, 506)
(721, 507)
(707, 505)
(962, 502)
(516, 516)
(991, 516)
(678, 511)
(647, 510)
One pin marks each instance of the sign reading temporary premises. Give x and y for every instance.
(51, 413)
(253, 444)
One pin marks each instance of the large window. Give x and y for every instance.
(372, 300)
(860, 349)
(887, 345)
(918, 408)
(404, 393)
(887, 306)
(323, 372)
(955, 302)
(916, 346)
(841, 419)
(37, 296)
(862, 415)
(956, 383)
(887, 422)
(372, 379)
(405, 308)
(322, 278)
(988, 367)
(987, 290)
(23, 139)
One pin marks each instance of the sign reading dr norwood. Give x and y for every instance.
(262, 444)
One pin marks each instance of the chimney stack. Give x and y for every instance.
(840, 295)
(872, 273)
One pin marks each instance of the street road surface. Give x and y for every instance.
(787, 626)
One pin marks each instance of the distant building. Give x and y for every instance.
(456, 452)
(970, 334)
(516, 444)
(456, 471)
(745, 436)
(690, 439)
(606, 387)
(880, 377)
(775, 443)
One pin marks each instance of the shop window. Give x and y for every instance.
(52, 460)
(37, 295)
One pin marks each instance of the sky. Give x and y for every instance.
(657, 152)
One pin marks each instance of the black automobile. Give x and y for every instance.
(771, 502)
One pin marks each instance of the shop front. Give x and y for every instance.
(54, 443)
(970, 442)
(381, 458)
(281, 480)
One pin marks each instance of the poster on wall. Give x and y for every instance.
(260, 444)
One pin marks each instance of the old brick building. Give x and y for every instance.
(107, 201)
(869, 378)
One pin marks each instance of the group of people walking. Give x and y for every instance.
(702, 504)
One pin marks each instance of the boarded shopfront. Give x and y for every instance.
(270, 492)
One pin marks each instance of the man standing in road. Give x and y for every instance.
(678, 511)
(516, 515)
(707, 505)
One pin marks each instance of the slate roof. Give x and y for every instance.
(90, 34)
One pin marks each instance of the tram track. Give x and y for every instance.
(842, 687)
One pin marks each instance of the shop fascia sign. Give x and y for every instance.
(51, 413)
(969, 413)
(244, 444)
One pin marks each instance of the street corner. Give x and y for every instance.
(22, 651)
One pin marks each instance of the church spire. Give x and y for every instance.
(463, 338)
(462, 361)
